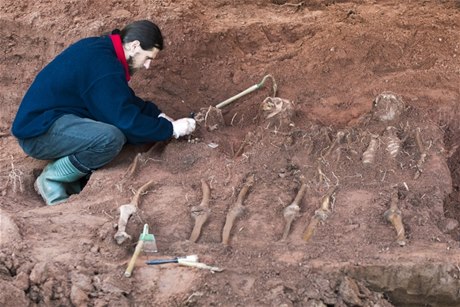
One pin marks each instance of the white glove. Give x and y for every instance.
(166, 117)
(183, 126)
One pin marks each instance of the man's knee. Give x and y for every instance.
(114, 139)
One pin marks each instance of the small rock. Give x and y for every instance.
(21, 281)
(349, 292)
(8, 229)
(448, 225)
(315, 303)
(78, 297)
(39, 273)
(12, 296)
(81, 281)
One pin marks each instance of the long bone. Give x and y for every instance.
(422, 150)
(201, 212)
(236, 210)
(393, 216)
(126, 211)
(320, 215)
(292, 211)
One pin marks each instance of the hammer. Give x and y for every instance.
(146, 243)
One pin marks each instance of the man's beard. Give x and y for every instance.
(131, 67)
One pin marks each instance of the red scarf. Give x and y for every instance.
(118, 46)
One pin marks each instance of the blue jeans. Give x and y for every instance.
(89, 144)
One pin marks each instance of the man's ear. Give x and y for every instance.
(135, 44)
(131, 46)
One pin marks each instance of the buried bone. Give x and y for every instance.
(393, 216)
(292, 211)
(201, 212)
(320, 215)
(236, 210)
(393, 142)
(369, 154)
(422, 151)
(277, 113)
(126, 211)
(387, 106)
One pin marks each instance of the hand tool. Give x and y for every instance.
(191, 261)
(146, 243)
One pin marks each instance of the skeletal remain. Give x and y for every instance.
(321, 214)
(214, 119)
(393, 142)
(387, 106)
(201, 212)
(126, 211)
(277, 114)
(421, 148)
(236, 210)
(337, 140)
(369, 154)
(292, 211)
(132, 169)
(243, 144)
(393, 215)
(142, 157)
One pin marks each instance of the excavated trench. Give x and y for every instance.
(408, 282)
(330, 59)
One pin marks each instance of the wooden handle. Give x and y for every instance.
(132, 262)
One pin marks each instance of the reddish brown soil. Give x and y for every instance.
(331, 60)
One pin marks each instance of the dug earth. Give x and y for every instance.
(334, 183)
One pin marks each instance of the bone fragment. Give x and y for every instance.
(201, 212)
(421, 148)
(292, 211)
(337, 141)
(369, 154)
(236, 210)
(142, 157)
(201, 265)
(393, 215)
(243, 144)
(126, 211)
(320, 215)
(132, 169)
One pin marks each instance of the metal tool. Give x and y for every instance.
(146, 243)
(193, 258)
(191, 261)
(249, 90)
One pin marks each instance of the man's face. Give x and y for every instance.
(138, 57)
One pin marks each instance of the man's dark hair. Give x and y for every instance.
(145, 31)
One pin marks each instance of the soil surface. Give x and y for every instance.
(353, 135)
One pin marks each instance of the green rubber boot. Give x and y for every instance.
(55, 179)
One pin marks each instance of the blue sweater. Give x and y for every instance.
(88, 80)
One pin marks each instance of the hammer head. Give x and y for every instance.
(150, 244)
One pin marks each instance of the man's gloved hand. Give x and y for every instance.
(166, 117)
(183, 126)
